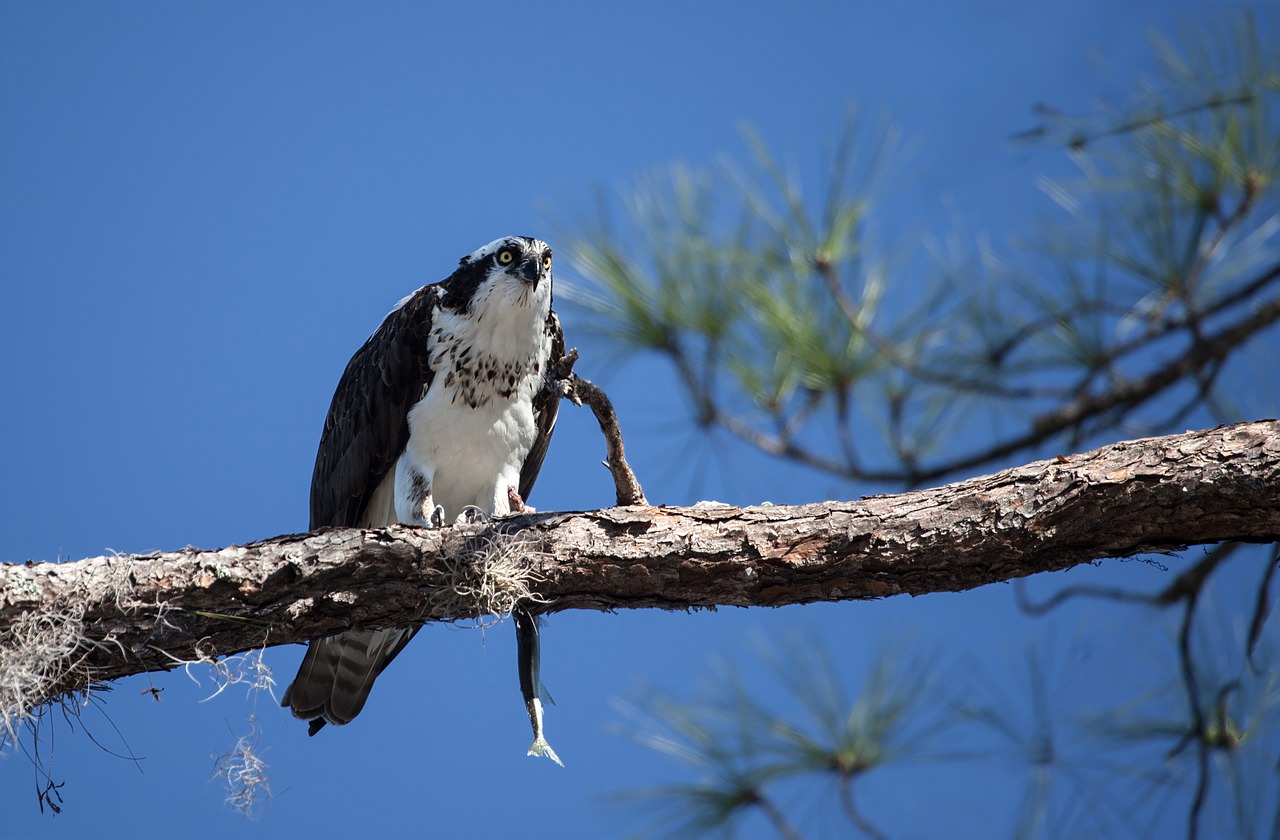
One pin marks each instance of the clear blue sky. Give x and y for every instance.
(206, 208)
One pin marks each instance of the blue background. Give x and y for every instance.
(206, 208)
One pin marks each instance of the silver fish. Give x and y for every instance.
(529, 657)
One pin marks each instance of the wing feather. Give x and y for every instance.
(364, 433)
(367, 426)
(546, 407)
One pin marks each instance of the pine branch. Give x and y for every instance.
(1203, 353)
(150, 612)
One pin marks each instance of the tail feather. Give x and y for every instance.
(337, 673)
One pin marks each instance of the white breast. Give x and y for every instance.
(471, 432)
(470, 456)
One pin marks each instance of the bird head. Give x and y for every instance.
(516, 269)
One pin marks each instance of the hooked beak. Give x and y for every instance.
(531, 270)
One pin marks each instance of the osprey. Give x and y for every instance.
(447, 408)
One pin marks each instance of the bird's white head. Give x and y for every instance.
(511, 271)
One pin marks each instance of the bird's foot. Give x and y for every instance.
(516, 503)
(471, 514)
(436, 519)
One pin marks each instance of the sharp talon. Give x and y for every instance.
(436, 519)
(472, 514)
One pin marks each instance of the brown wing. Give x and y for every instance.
(364, 433)
(367, 426)
(546, 407)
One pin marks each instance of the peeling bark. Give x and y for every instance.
(146, 612)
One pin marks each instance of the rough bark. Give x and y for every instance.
(145, 612)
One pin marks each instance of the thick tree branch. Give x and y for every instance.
(147, 612)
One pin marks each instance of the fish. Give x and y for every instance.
(529, 662)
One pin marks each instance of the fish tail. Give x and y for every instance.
(540, 745)
(542, 748)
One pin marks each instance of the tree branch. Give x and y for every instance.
(149, 612)
(1203, 354)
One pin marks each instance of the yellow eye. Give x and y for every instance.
(505, 256)
(546, 263)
